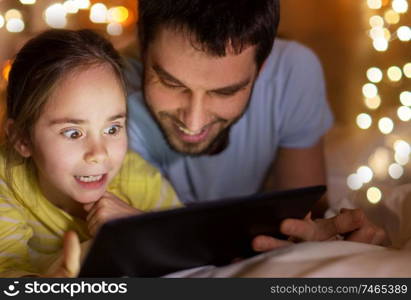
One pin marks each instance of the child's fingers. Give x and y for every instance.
(71, 254)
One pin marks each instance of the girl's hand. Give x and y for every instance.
(69, 264)
(107, 208)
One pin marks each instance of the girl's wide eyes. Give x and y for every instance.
(72, 133)
(113, 130)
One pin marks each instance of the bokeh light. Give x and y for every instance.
(407, 70)
(379, 162)
(404, 113)
(402, 147)
(394, 73)
(373, 103)
(28, 2)
(374, 195)
(395, 171)
(404, 33)
(354, 182)
(391, 17)
(405, 98)
(98, 13)
(114, 29)
(369, 90)
(400, 6)
(386, 125)
(374, 4)
(15, 25)
(13, 14)
(365, 174)
(380, 44)
(55, 16)
(1, 21)
(364, 121)
(374, 74)
(376, 21)
(118, 14)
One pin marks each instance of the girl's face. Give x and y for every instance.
(79, 141)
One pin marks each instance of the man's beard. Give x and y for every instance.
(217, 144)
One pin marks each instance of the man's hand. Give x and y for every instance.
(69, 264)
(107, 208)
(352, 224)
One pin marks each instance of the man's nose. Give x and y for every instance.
(195, 113)
(96, 151)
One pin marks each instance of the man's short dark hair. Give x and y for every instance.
(213, 25)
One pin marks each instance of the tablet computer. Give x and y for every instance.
(209, 233)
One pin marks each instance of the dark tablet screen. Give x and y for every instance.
(216, 232)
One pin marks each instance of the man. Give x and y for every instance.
(222, 113)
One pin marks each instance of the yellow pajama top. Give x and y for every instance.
(32, 228)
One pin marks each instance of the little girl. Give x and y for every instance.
(64, 166)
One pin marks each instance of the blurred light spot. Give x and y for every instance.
(380, 44)
(386, 125)
(55, 16)
(374, 4)
(114, 29)
(70, 6)
(374, 74)
(376, 21)
(400, 6)
(364, 121)
(387, 34)
(407, 70)
(28, 2)
(391, 17)
(98, 13)
(401, 159)
(1, 21)
(13, 14)
(379, 162)
(365, 174)
(117, 14)
(82, 4)
(402, 147)
(373, 103)
(395, 171)
(377, 32)
(404, 113)
(354, 182)
(369, 90)
(405, 98)
(404, 33)
(15, 25)
(374, 195)
(394, 73)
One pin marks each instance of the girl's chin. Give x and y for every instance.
(88, 200)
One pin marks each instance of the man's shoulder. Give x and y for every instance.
(287, 56)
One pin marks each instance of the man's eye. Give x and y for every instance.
(72, 134)
(169, 85)
(113, 130)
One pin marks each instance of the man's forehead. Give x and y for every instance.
(188, 40)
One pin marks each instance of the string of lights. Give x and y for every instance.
(59, 14)
(391, 160)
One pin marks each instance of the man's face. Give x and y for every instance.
(194, 96)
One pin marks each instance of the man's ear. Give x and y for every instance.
(21, 145)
